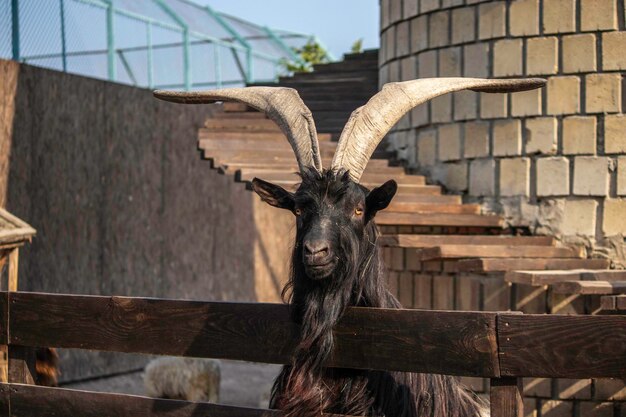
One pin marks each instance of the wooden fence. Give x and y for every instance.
(502, 346)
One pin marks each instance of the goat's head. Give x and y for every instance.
(333, 210)
(332, 214)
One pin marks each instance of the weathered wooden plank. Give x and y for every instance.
(549, 277)
(503, 264)
(494, 251)
(562, 346)
(438, 219)
(414, 207)
(506, 397)
(404, 218)
(26, 400)
(458, 343)
(589, 287)
(5, 409)
(273, 174)
(21, 364)
(4, 317)
(421, 241)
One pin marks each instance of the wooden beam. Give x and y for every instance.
(438, 219)
(457, 343)
(13, 269)
(506, 397)
(555, 346)
(589, 287)
(488, 264)
(28, 400)
(493, 251)
(421, 241)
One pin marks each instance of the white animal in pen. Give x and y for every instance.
(191, 379)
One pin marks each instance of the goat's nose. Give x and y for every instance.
(316, 248)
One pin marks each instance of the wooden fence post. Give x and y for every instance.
(21, 366)
(506, 397)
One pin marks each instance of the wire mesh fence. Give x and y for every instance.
(175, 44)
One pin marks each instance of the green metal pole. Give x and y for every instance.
(249, 66)
(63, 41)
(15, 16)
(150, 69)
(111, 42)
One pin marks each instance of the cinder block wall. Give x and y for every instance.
(553, 160)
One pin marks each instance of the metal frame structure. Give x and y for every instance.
(237, 43)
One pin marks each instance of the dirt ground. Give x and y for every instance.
(243, 383)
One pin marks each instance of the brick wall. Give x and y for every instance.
(553, 160)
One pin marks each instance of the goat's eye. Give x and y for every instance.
(297, 212)
(358, 211)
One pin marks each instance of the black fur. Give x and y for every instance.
(336, 211)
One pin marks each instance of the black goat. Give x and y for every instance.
(336, 260)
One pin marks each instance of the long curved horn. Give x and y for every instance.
(281, 104)
(370, 123)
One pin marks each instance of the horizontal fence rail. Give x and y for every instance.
(502, 346)
(484, 344)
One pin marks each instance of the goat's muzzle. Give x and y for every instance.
(318, 259)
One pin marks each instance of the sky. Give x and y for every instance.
(337, 23)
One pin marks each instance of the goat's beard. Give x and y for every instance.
(317, 305)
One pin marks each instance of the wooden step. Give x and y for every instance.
(493, 251)
(236, 107)
(261, 125)
(291, 166)
(208, 134)
(414, 207)
(243, 116)
(538, 278)
(485, 265)
(440, 199)
(247, 174)
(589, 287)
(424, 241)
(430, 190)
(224, 149)
(247, 143)
(613, 304)
(437, 219)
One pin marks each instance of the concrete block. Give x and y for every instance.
(552, 177)
(613, 220)
(604, 93)
(476, 140)
(395, 11)
(621, 175)
(463, 25)
(441, 109)
(427, 64)
(542, 56)
(526, 103)
(591, 176)
(563, 95)
(615, 134)
(482, 177)
(514, 177)
(428, 5)
(403, 40)
(454, 176)
(476, 60)
(493, 106)
(427, 148)
(613, 47)
(541, 135)
(524, 17)
(492, 20)
(465, 105)
(438, 30)
(419, 34)
(593, 409)
(410, 9)
(609, 389)
(579, 218)
(389, 39)
(559, 16)
(507, 138)
(408, 68)
(450, 62)
(450, 142)
(579, 135)
(507, 58)
(598, 15)
(579, 53)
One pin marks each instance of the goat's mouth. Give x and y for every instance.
(319, 270)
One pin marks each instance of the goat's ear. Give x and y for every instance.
(273, 194)
(379, 198)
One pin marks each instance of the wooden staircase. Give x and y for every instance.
(436, 233)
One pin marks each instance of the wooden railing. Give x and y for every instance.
(501, 346)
